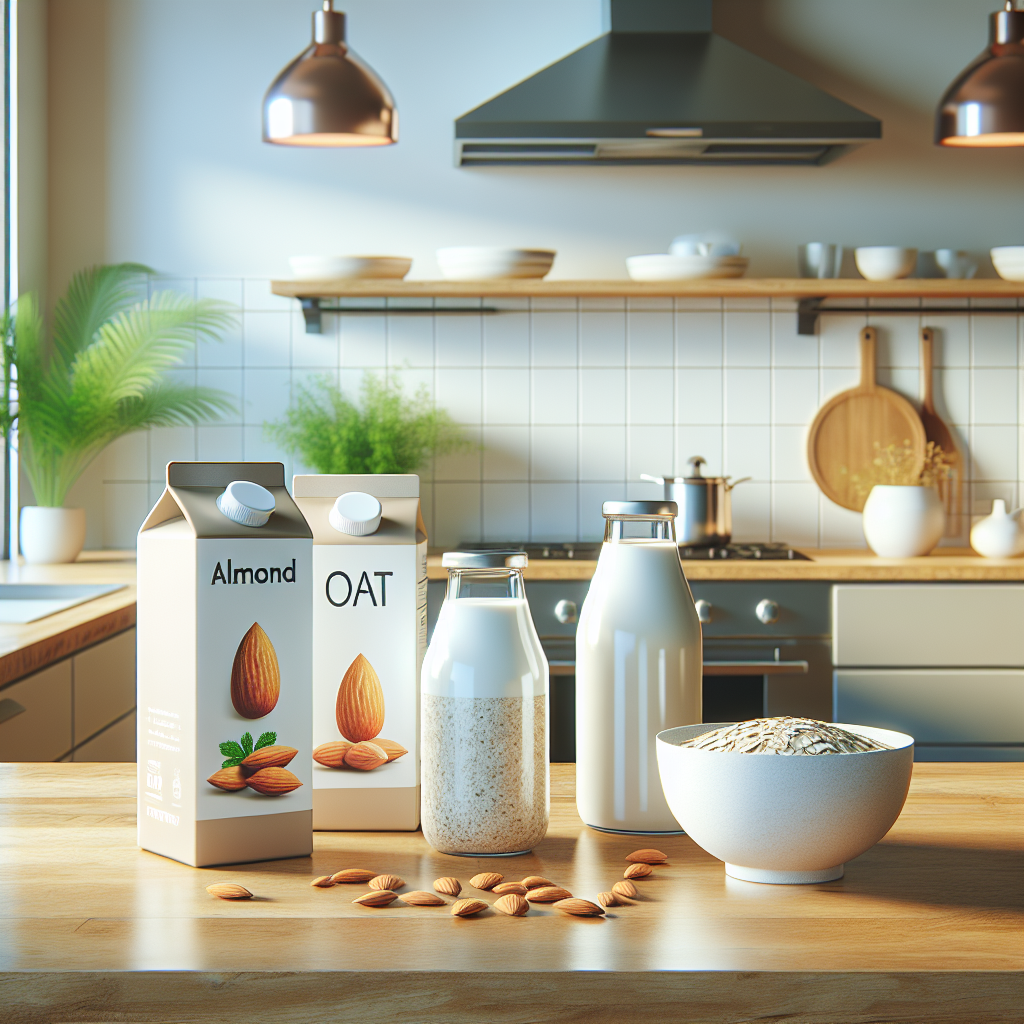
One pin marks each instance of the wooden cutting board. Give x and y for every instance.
(842, 439)
(936, 430)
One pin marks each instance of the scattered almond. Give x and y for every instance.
(486, 880)
(536, 881)
(348, 875)
(273, 781)
(467, 908)
(637, 871)
(391, 748)
(229, 779)
(382, 882)
(323, 882)
(647, 857)
(512, 904)
(376, 898)
(229, 891)
(607, 899)
(548, 894)
(365, 756)
(269, 757)
(332, 755)
(448, 885)
(507, 888)
(579, 908)
(421, 899)
(626, 890)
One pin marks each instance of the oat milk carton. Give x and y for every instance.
(224, 647)
(369, 637)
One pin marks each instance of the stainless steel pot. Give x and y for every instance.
(705, 505)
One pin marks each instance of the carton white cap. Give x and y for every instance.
(246, 503)
(356, 513)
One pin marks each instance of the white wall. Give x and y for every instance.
(155, 155)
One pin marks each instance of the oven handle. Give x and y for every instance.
(715, 668)
(755, 668)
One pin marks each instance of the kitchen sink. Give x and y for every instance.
(26, 602)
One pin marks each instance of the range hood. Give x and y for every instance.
(661, 88)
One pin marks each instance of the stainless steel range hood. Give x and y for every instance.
(661, 88)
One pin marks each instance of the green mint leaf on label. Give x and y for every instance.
(247, 743)
(232, 762)
(268, 739)
(232, 750)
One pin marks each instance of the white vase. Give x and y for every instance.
(51, 534)
(903, 521)
(1000, 535)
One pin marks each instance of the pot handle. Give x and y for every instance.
(736, 483)
(653, 479)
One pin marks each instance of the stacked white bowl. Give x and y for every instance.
(1008, 261)
(690, 257)
(485, 263)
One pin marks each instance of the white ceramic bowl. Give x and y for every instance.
(329, 268)
(1008, 261)
(885, 262)
(794, 819)
(666, 267)
(483, 263)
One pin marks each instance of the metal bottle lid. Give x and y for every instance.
(639, 510)
(484, 560)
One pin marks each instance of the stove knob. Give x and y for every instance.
(565, 611)
(767, 611)
(703, 610)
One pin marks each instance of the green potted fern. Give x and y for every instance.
(100, 374)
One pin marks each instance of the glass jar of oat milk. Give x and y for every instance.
(638, 668)
(484, 689)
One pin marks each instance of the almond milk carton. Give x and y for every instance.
(369, 637)
(224, 646)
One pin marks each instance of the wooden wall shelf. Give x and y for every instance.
(316, 296)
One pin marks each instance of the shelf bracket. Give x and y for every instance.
(807, 311)
(311, 313)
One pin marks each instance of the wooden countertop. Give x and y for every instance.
(927, 926)
(27, 648)
(950, 565)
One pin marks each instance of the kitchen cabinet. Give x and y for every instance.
(79, 709)
(944, 663)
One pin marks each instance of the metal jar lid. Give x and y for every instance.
(484, 560)
(640, 510)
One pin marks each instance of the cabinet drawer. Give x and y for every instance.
(117, 743)
(104, 684)
(935, 706)
(42, 732)
(941, 625)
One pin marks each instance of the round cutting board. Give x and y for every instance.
(842, 439)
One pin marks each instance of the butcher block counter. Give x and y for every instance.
(949, 565)
(30, 647)
(927, 926)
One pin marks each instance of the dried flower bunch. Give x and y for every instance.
(894, 464)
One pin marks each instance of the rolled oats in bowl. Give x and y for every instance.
(784, 736)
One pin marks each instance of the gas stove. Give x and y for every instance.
(589, 551)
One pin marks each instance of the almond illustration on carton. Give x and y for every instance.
(332, 755)
(268, 757)
(391, 748)
(365, 756)
(360, 706)
(273, 781)
(229, 779)
(255, 675)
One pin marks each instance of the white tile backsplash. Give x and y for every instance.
(566, 402)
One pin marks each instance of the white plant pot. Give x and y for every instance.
(903, 521)
(51, 534)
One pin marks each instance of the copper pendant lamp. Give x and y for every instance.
(327, 96)
(984, 107)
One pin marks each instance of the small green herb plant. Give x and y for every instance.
(102, 371)
(384, 433)
(236, 753)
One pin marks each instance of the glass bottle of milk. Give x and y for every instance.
(484, 690)
(638, 668)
